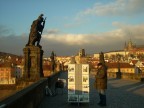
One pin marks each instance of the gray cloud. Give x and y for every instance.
(133, 31)
(13, 44)
(69, 44)
(108, 41)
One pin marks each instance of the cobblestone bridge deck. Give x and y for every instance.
(120, 94)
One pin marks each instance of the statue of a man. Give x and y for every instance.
(52, 61)
(36, 31)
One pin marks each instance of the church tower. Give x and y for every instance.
(129, 46)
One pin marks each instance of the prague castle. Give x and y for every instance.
(133, 48)
(130, 49)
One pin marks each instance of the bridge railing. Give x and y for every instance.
(31, 96)
(132, 76)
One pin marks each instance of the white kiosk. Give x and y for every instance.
(78, 83)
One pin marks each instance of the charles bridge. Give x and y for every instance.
(121, 93)
(124, 90)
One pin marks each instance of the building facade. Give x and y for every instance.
(7, 73)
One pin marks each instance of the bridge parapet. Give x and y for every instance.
(131, 76)
(31, 96)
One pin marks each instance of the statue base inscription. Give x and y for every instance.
(33, 56)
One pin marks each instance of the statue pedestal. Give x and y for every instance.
(33, 56)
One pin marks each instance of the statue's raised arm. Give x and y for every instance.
(36, 31)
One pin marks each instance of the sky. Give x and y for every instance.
(71, 25)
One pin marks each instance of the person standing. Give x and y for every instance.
(101, 83)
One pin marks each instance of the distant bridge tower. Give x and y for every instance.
(82, 53)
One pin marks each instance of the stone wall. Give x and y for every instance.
(130, 76)
(31, 96)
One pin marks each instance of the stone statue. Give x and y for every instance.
(36, 31)
(102, 60)
(52, 61)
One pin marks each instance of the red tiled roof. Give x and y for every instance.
(134, 61)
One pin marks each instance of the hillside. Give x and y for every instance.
(4, 54)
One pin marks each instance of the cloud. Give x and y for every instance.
(69, 39)
(115, 8)
(69, 44)
(51, 31)
(133, 31)
(13, 44)
(4, 31)
(108, 41)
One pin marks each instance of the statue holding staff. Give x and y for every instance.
(36, 31)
